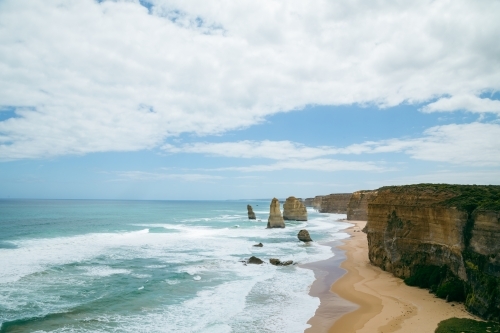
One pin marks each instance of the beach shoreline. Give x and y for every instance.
(370, 299)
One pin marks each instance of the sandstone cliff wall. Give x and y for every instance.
(357, 209)
(313, 202)
(443, 237)
(331, 203)
(335, 203)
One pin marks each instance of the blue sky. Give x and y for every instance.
(166, 99)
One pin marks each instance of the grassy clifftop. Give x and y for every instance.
(465, 197)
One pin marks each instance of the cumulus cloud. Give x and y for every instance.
(475, 144)
(89, 76)
(142, 175)
(323, 164)
(276, 150)
(465, 102)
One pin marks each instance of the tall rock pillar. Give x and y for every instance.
(275, 219)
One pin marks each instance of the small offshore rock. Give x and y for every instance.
(274, 261)
(304, 236)
(251, 214)
(277, 262)
(259, 245)
(254, 260)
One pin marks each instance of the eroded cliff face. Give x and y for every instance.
(313, 202)
(294, 209)
(357, 208)
(335, 203)
(417, 232)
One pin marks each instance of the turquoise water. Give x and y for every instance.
(154, 266)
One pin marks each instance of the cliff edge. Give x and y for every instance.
(357, 209)
(442, 237)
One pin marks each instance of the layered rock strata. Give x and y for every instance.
(443, 237)
(251, 214)
(335, 203)
(294, 209)
(357, 208)
(313, 202)
(275, 219)
(331, 203)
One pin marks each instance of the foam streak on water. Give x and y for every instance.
(112, 266)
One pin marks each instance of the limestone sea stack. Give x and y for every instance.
(251, 214)
(275, 219)
(294, 209)
(304, 236)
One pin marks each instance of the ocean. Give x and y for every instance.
(155, 266)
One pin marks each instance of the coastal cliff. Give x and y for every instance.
(313, 202)
(335, 203)
(357, 208)
(331, 203)
(442, 237)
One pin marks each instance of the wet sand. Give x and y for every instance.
(377, 301)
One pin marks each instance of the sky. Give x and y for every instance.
(215, 100)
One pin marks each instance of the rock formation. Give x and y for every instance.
(314, 202)
(275, 219)
(331, 203)
(304, 236)
(277, 262)
(294, 209)
(259, 245)
(442, 237)
(254, 260)
(357, 209)
(251, 214)
(335, 203)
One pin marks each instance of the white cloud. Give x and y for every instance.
(475, 144)
(142, 175)
(276, 150)
(465, 102)
(89, 77)
(324, 164)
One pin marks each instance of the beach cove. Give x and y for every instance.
(379, 302)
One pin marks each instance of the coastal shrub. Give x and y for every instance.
(439, 280)
(426, 276)
(452, 289)
(462, 325)
(465, 197)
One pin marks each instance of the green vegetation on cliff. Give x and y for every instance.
(440, 280)
(465, 197)
(462, 325)
(417, 240)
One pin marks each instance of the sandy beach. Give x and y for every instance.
(378, 301)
